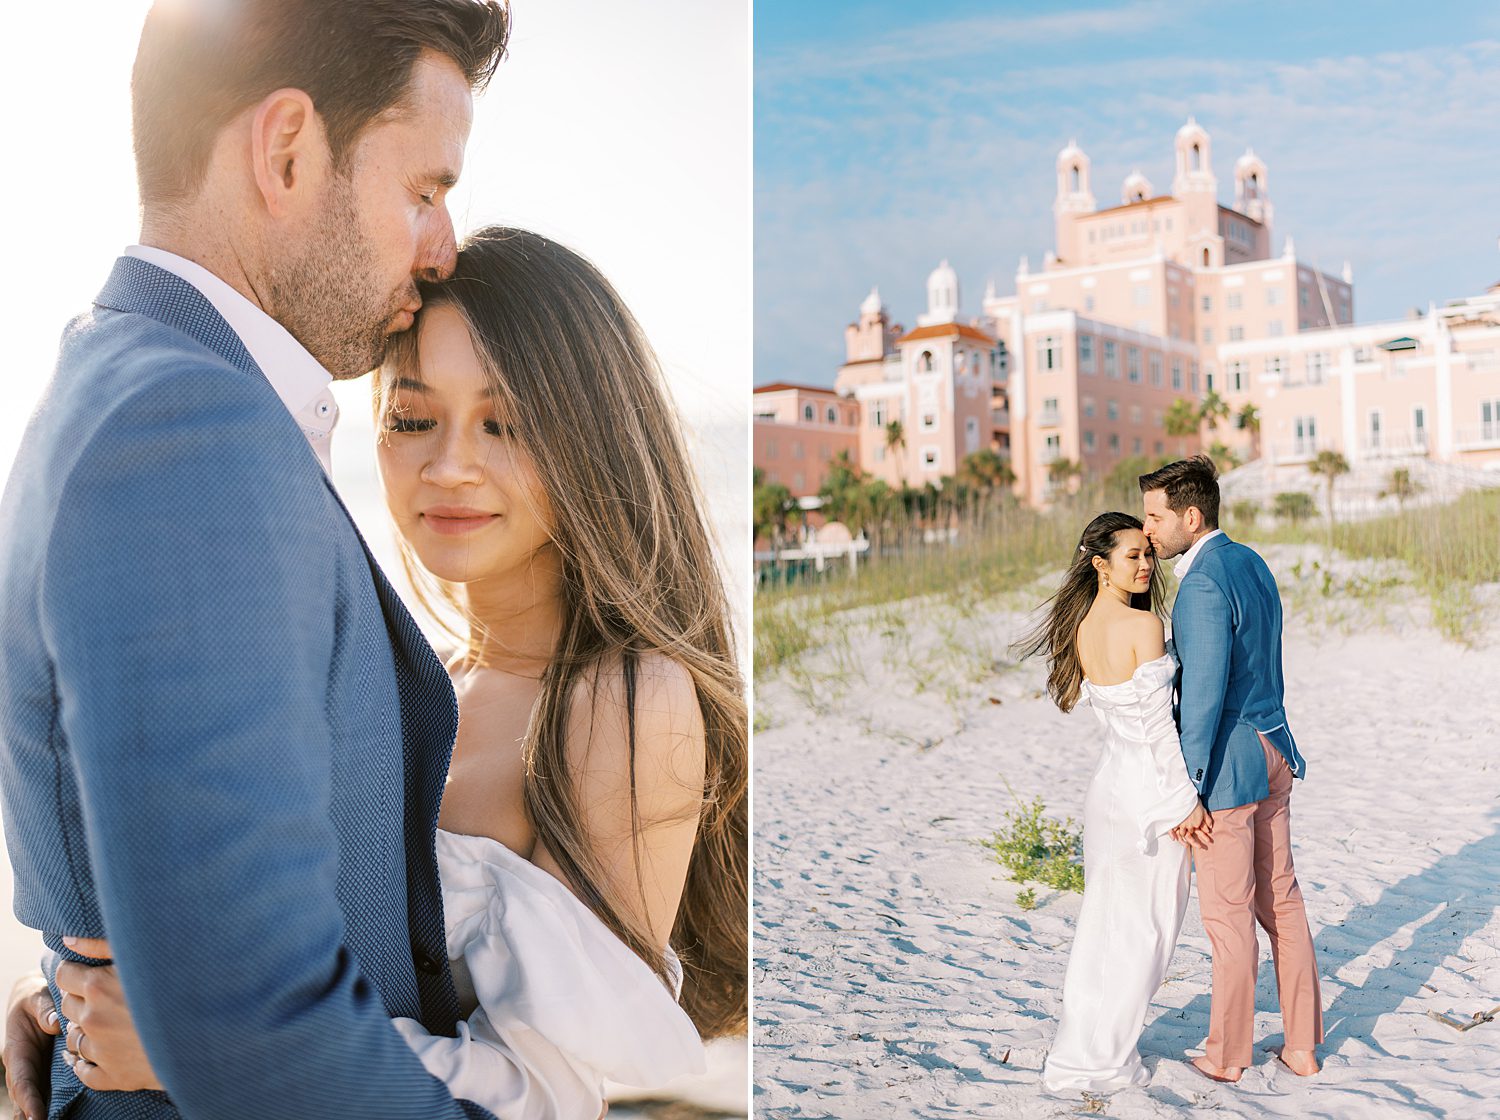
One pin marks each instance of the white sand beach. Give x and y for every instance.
(896, 975)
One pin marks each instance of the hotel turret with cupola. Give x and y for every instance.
(1155, 299)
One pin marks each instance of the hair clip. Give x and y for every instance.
(1083, 548)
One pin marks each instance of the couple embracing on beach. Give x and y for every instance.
(1196, 771)
(285, 861)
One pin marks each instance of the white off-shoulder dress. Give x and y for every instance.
(1136, 880)
(555, 1002)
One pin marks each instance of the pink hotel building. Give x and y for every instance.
(1159, 297)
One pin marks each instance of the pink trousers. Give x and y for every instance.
(1246, 876)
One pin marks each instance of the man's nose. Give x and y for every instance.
(439, 253)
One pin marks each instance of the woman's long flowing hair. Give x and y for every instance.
(1057, 633)
(570, 369)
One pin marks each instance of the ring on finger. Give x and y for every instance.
(75, 1041)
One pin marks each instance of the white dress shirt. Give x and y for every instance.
(1182, 566)
(299, 380)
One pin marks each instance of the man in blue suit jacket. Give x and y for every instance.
(1226, 627)
(223, 740)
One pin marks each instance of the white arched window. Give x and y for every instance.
(1197, 158)
(924, 362)
(1076, 179)
(809, 413)
(832, 415)
(1205, 258)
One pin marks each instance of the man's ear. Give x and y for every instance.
(1192, 520)
(288, 151)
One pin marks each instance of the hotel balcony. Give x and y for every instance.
(1480, 437)
(1049, 418)
(1395, 445)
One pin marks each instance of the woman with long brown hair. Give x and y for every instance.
(1105, 642)
(593, 833)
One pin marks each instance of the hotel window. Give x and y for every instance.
(960, 361)
(1048, 353)
(1273, 297)
(1088, 407)
(1157, 447)
(1303, 297)
(1375, 429)
(1195, 376)
(1156, 370)
(877, 414)
(880, 452)
(1133, 364)
(1317, 362)
(1111, 360)
(1306, 428)
(1135, 414)
(1142, 295)
(809, 414)
(1234, 300)
(1156, 418)
(1177, 373)
(929, 457)
(1236, 334)
(832, 415)
(1208, 303)
(1172, 297)
(971, 435)
(1210, 382)
(1088, 303)
(1049, 410)
(1236, 371)
(1114, 442)
(1112, 409)
(1088, 441)
(929, 421)
(1489, 419)
(1208, 334)
(1273, 366)
(770, 449)
(796, 449)
(1273, 329)
(1052, 449)
(1419, 427)
(1086, 353)
(924, 362)
(797, 481)
(1135, 446)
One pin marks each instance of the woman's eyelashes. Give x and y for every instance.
(411, 424)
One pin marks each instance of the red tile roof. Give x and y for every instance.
(947, 330)
(783, 386)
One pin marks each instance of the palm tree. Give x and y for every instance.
(1213, 409)
(895, 443)
(1248, 420)
(1402, 487)
(840, 492)
(1061, 472)
(1181, 419)
(1329, 464)
(986, 474)
(1225, 460)
(775, 510)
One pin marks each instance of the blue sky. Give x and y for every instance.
(889, 136)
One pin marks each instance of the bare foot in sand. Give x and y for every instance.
(1304, 1063)
(1230, 1074)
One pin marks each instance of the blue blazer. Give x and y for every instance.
(1226, 627)
(223, 740)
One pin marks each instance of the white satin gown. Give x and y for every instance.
(1136, 880)
(556, 1003)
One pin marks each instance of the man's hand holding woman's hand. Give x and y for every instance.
(1197, 830)
(30, 1024)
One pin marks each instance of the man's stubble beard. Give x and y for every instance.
(324, 292)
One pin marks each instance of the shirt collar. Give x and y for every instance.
(298, 378)
(1182, 566)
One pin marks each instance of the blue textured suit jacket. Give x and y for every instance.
(224, 738)
(1226, 627)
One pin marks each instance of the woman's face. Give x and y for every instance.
(1131, 561)
(464, 494)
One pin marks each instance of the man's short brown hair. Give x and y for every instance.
(201, 62)
(1188, 482)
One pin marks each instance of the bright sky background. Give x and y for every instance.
(889, 136)
(622, 131)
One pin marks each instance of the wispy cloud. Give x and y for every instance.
(967, 37)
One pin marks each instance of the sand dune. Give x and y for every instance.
(896, 976)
